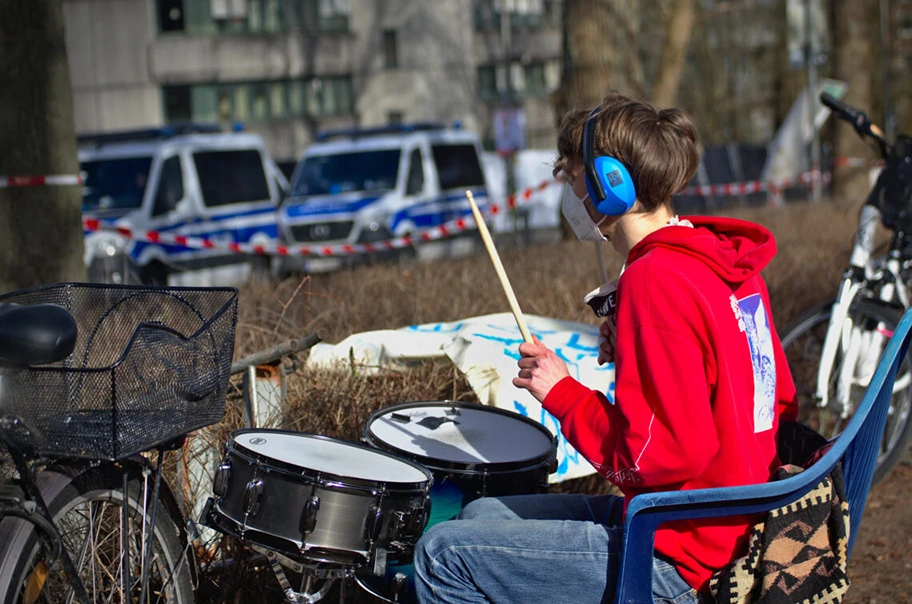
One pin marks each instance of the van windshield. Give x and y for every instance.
(114, 184)
(347, 172)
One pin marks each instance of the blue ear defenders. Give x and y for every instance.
(608, 182)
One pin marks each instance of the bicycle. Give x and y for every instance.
(93, 379)
(833, 349)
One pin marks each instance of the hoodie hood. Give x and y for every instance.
(736, 250)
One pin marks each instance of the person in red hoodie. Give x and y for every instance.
(701, 382)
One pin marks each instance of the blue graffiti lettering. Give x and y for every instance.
(567, 456)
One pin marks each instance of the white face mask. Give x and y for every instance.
(574, 210)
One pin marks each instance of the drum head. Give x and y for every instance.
(328, 456)
(450, 435)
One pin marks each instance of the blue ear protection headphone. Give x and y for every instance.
(608, 182)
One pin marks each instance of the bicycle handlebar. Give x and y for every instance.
(859, 120)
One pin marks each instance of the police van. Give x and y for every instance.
(185, 180)
(367, 185)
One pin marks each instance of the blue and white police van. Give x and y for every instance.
(372, 184)
(190, 180)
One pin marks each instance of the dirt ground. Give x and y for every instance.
(881, 564)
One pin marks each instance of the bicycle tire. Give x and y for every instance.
(93, 497)
(805, 359)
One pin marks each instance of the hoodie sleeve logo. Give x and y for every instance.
(755, 324)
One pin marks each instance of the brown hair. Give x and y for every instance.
(659, 148)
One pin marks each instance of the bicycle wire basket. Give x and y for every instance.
(150, 365)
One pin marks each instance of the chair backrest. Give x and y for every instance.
(857, 447)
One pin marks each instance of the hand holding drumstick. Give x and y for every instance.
(539, 368)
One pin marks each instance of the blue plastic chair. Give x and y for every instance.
(857, 446)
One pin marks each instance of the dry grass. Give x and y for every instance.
(550, 280)
(813, 241)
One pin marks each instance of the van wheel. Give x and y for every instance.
(154, 273)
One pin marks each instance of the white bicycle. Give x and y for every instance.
(834, 348)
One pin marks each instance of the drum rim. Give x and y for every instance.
(487, 467)
(304, 471)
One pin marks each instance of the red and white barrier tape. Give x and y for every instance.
(443, 231)
(857, 162)
(51, 180)
(453, 227)
(754, 186)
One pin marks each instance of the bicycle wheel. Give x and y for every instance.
(803, 343)
(87, 512)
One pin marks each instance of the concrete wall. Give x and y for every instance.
(119, 63)
(435, 78)
(106, 46)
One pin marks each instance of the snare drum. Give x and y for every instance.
(473, 450)
(319, 499)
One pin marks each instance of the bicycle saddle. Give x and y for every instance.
(35, 333)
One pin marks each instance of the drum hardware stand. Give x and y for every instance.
(346, 577)
(398, 585)
(292, 596)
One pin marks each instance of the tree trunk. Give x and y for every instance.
(41, 239)
(674, 53)
(853, 62)
(589, 51)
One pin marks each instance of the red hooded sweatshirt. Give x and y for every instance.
(700, 382)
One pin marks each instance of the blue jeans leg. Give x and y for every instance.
(530, 548)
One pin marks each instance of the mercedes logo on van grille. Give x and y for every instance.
(319, 231)
(257, 440)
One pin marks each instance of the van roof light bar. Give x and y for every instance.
(145, 134)
(356, 133)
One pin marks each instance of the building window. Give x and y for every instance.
(171, 15)
(394, 117)
(177, 103)
(523, 14)
(253, 16)
(532, 79)
(487, 83)
(390, 56)
(259, 101)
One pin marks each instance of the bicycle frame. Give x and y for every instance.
(858, 364)
(40, 516)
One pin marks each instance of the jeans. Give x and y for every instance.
(533, 548)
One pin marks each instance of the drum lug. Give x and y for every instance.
(424, 514)
(309, 515)
(252, 493)
(374, 523)
(220, 484)
(399, 524)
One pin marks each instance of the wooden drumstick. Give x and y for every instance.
(498, 267)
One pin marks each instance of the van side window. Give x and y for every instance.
(458, 166)
(416, 174)
(170, 187)
(228, 177)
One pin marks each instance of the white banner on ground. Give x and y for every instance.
(485, 350)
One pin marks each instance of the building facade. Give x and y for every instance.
(289, 68)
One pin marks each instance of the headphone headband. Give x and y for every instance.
(598, 191)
